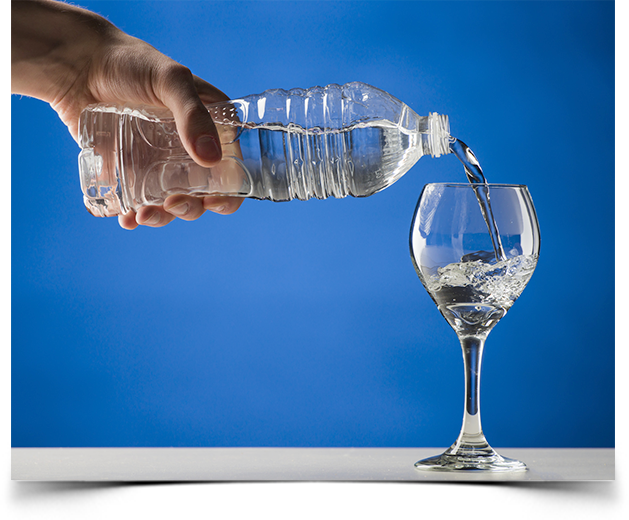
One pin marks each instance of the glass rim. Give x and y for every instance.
(476, 184)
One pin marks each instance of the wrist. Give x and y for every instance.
(52, 44)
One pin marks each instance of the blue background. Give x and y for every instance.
(304, 323)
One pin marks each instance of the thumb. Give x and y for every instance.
(194, 124)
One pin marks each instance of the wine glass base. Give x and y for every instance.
(470, 461)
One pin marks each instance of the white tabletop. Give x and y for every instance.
(292, 464)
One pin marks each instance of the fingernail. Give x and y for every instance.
(207, 148)
(218, 209)
(180, 209)
(153, 219)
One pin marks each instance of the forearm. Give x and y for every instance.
(52, 43)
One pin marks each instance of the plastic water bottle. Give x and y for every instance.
(280, 145)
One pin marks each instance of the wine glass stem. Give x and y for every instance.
(471, 432)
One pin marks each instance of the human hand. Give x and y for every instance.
(71, 58)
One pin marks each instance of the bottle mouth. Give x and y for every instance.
(439, 126)
(101, 193)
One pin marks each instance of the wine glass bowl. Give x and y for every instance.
(474, 247)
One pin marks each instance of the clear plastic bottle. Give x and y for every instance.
(280, 145)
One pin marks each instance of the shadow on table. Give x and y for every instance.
(331, 500)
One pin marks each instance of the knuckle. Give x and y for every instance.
(172, 79)
(177, 72)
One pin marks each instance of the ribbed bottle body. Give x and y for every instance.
(279, 145)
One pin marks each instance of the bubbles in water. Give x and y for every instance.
(498, 284)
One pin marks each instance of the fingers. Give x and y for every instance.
(185, 95)
(191, 208)
(176, 89)
(184, 207)
(127, 221)
(208, 92)
(222, 205)
(152, 216)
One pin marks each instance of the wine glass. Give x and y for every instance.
(474, 247)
